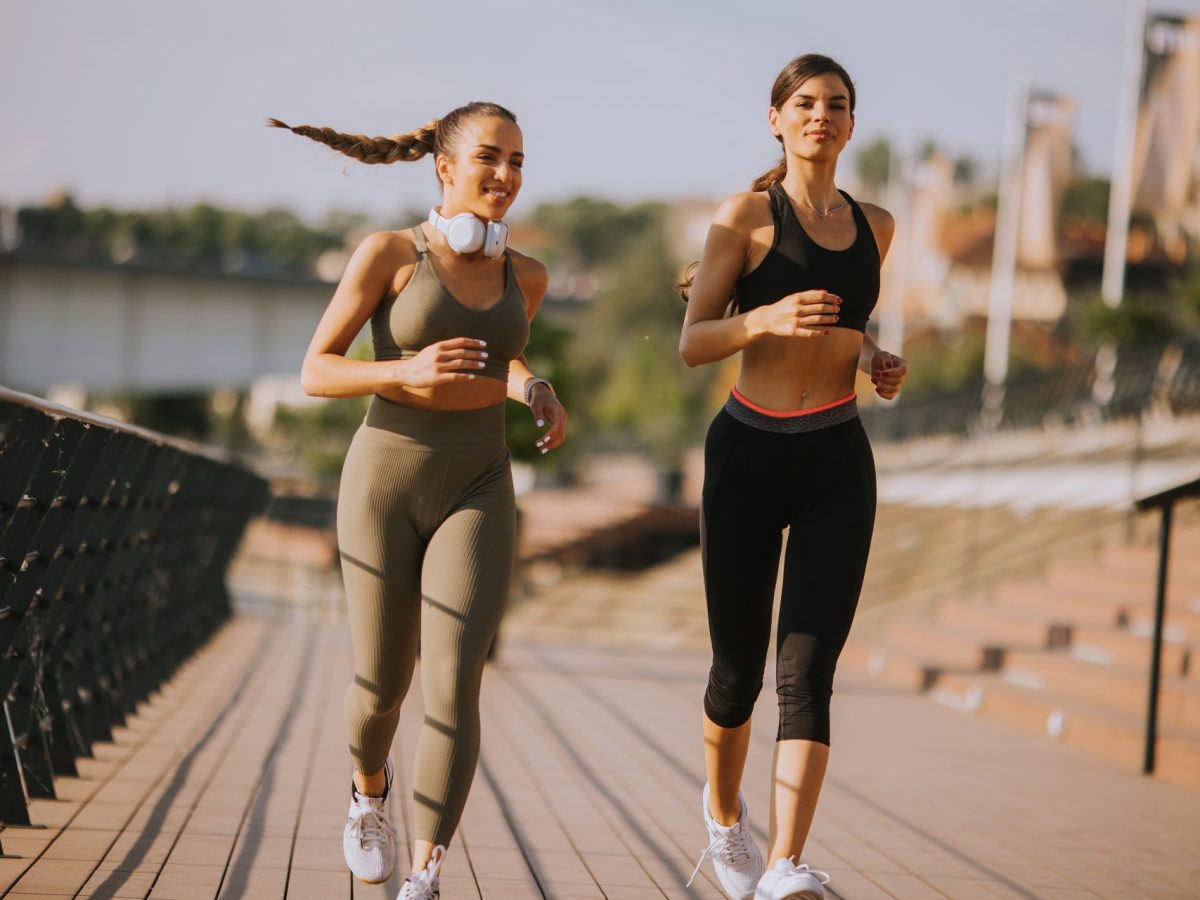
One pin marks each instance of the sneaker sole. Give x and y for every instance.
(385, 880)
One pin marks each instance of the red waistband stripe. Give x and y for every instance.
(790, 414)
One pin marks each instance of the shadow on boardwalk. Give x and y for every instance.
(232, 783)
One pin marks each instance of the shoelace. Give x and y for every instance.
(734, 847)
(423, 885)
(368, 827)
(804, 869)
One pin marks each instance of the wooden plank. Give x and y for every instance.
(588, 786)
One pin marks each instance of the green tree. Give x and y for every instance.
(548, 355)
(966, 168)
(627, 346)
(1087, 198)
(593, 233)
(873, 163)
(1140, 320)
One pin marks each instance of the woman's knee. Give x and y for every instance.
(730, 696)
(804, 688)
(374, 698)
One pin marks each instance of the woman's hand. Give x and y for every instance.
(797, 315)
(888, 373)
(548, 413)
(457, 359)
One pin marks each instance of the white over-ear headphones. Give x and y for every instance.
(466, 233)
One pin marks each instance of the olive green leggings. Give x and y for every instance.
(426, 527)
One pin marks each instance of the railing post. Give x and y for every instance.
(1160, 606)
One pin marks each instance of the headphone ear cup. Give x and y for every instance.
(465, 233)
(496, 240)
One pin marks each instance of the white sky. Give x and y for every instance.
(148, 102)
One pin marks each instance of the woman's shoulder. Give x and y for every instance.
(380, 262)
(883, 226)
(532, 276)
(381, 254)
(881, 221)
(390, 246)
(745, 210)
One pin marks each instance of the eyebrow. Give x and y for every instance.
(834, 97)
(496, 149)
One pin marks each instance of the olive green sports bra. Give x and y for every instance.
(425, 312)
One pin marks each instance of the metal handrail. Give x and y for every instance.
(114, 542)
(1165, 501)
(1145, 377)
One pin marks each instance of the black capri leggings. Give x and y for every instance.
(812, 472)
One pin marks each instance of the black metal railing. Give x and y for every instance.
(1165, 502)
(1138, 380)
(114, 543)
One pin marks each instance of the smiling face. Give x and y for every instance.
(815, 121)
(482, 173)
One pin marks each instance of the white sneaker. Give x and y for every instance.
(787, 881)
(369, 841)
(736, 859)
(423, 885)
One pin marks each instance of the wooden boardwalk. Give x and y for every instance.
(233, 783)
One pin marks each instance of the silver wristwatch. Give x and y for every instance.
(531, 383)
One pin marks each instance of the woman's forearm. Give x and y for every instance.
(331, 375)
(710, 340)
(518, 374)
(866, 356)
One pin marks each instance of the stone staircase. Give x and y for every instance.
(1065, 654)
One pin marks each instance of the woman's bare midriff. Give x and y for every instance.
(786, 374)
(477, 394)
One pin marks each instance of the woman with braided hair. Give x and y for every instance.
(426, 515)
(800, 260)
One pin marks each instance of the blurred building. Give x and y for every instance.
(1166, 158)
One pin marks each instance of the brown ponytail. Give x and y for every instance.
(376, 150)
(771, 177)
(684, 285)
(439, 137)
(794, 74)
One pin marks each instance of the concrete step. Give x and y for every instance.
(1119, 688)
(1059, 605)
(1120, 647)
(1145, 565)
(1184, 554)
(1182, 625)
(943, 647)
(1119, 737)
(887, 665)
(1137, 588)
(947, 552)
(1004, 626)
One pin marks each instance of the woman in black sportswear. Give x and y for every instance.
(800, 260)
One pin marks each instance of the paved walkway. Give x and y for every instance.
(232, 783)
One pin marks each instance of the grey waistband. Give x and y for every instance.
(436, 429)
(797, 424)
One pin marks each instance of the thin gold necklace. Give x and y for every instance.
(828, 212)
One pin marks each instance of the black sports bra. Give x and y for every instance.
(796, 263)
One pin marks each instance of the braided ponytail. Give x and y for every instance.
(439, 136)
(375, 150)
(771, 177)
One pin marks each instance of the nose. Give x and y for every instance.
(504, 172)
